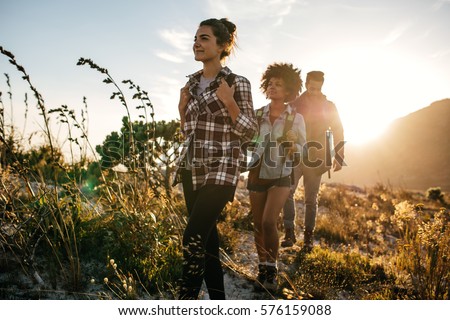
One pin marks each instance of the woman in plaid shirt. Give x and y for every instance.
(217, 117)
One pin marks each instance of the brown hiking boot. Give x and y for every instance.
(308, 240)
(271, 282)
(289, 238)
(262, 275)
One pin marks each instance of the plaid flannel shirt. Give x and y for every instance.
(212, 139)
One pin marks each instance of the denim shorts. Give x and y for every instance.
(280, 182)
(254, 183)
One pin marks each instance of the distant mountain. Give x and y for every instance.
(413, 153)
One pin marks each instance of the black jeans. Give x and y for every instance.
(201, 239)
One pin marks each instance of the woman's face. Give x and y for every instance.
(276, 89)
(205, 45)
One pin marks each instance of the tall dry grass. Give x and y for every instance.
(54, 223)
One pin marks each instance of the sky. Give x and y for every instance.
(382, 59)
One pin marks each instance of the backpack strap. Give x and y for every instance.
(252, 144)
(289, 121)
(259, 115)
(230, 79)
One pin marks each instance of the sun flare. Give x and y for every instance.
(372, 86)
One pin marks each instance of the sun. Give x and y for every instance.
(372, 86)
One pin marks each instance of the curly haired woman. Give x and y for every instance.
(270, 180)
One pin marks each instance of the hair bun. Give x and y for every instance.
(231, 27)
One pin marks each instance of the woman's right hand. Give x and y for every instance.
(185, 96)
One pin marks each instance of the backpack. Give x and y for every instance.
(230, 79)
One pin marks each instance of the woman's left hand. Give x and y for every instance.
(225, 93)
(292, 137)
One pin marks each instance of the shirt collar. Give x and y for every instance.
(288, 109)
(195, 77)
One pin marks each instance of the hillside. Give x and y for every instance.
(413, 153)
